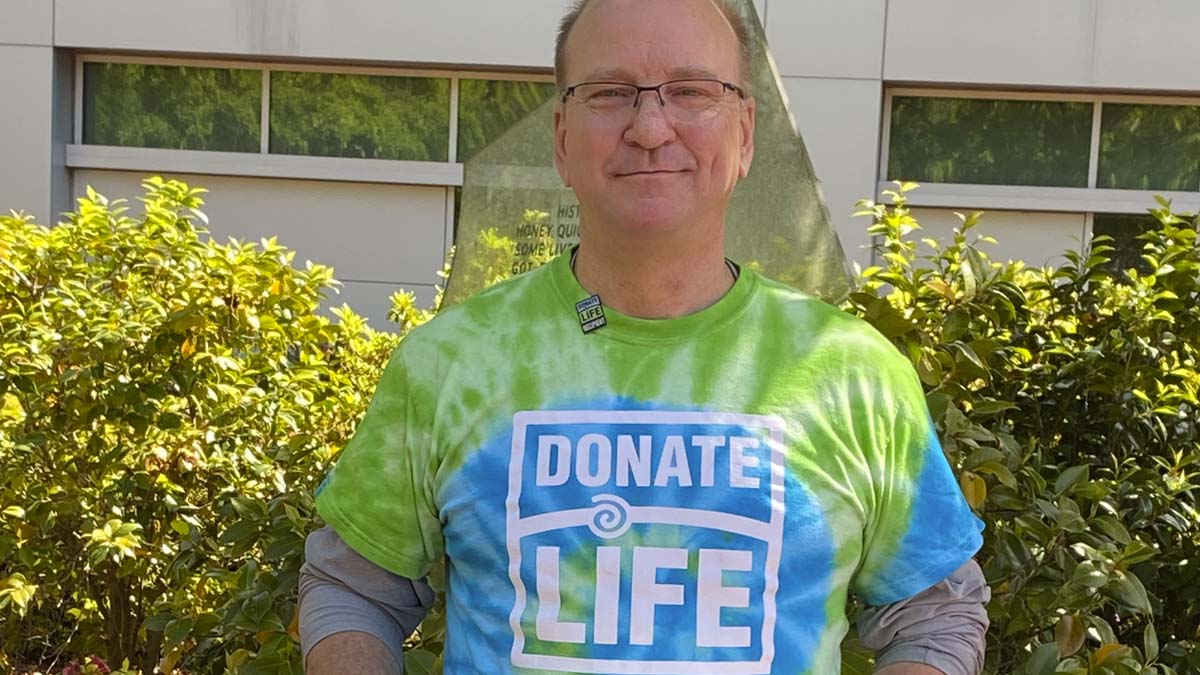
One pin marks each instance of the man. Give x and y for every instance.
(641, 458)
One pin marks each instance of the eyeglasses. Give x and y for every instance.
(684, 99)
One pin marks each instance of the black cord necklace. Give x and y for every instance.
(734, 270)
(591, 310)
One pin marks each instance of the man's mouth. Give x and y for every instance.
(656, 172)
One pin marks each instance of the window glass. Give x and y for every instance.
(181, 108)
(1150, 147)
(1124, 229)
(488, 108)
(365, 116)
(980, 141)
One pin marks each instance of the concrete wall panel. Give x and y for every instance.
(1019, 42)
(26, 130)
(1148, 45)
(839, 121)
(516, 33)
(375, 233)
(827, 38)
(27, 22)
(1035, 238)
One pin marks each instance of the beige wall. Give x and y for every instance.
(26, 130)
(1064, 43)
(827, 38)
(1036, 238)
(507, 33)
(839, 121)
(27, 22)
(378, 238)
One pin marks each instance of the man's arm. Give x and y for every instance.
(349, 654)
(354, 615)
(941, 630)
(908, 669)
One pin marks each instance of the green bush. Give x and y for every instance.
(169, 404)
(1067, 400)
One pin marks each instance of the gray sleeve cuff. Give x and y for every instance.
(944, 627)
(341, 591)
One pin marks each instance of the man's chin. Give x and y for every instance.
(653, 222)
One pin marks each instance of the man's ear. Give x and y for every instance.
(747, 122)
(560, 144)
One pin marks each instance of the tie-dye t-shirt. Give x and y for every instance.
(694, 495)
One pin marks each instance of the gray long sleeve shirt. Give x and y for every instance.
(341, 591)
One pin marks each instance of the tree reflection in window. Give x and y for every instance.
(488, 108)
(181, 108)
(362, 116)
(981, 141)
(1150, 147)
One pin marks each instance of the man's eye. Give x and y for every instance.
(610, 93)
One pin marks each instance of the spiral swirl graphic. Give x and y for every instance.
(610, 518)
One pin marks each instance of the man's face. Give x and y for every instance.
(653, 170)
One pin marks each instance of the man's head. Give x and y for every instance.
(654, 165)
(731, 14)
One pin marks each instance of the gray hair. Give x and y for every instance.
(728, 10)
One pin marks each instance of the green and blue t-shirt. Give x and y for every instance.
(694, 495)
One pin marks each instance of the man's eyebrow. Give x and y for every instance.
(623, 75)
(608, 75)
(692, 71)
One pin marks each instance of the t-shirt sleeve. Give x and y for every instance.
(379, 497)
(920, 527)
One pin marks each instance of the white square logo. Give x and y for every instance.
(645, 542)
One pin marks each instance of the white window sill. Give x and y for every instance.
(257, 165)
(1025, 198)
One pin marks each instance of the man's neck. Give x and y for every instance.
(654, 280)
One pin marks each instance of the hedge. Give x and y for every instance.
(168, 404)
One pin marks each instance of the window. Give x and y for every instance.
(1150, 147)
(364, 116)
(488, 108)
(1124, 229)
(367, 113)
(997, 142)
(182, 108)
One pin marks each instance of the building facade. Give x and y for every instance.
(1060, 119)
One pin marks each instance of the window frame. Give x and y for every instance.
(1035, 198)
(263, 164)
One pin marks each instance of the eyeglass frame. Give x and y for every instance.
(657, 88)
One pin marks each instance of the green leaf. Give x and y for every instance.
(1068, 635)
(955, 326)
(420, 662)
(1137, 552)
(1128, 589)
(968, 355)
(1070, 478)
(1086, 574)
(1109, 655)
(17, 590)
(1043, 661)
(1150, 642)
(1112, 527)
(988, 408)
(974, 489)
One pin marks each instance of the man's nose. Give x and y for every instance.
(650, 127)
